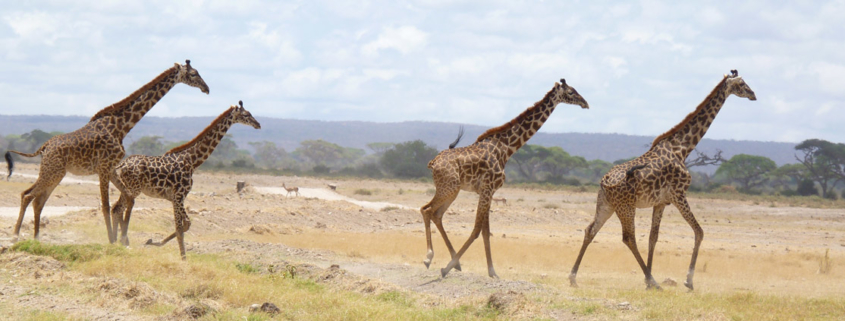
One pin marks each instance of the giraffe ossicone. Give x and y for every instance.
(480, 168)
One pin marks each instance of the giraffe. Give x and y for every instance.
(659, 178)
(480, 168)
(170, 176)
(98, 146)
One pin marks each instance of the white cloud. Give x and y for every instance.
(642, 65)
(404, 39)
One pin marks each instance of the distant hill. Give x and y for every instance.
(288, 133)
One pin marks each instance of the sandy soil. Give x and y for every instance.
(377, 241)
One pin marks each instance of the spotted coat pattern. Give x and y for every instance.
(170, 176)
(659, 178)
(98, 146)
(480, 168)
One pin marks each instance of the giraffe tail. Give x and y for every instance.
(10, 162)
(460, 134)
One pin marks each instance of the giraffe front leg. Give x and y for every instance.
(656, 217)
(104, 200)
(183, 223)
(683, 206)
(474, 235)
(482, 214)
(626, 217)
(124, 238)
(485, 234)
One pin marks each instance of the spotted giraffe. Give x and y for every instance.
(170, 176)
(98, 146)
(659, 178)
(480, 168)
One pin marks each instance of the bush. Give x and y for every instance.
(807, 187)
(362, 191)
(321, 169)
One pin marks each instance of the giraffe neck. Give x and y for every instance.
(200, 148)
(127, 112)
(526, 124)
(683, 138)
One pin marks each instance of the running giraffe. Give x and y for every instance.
(170, 176)
(659, 178)
(480, 168)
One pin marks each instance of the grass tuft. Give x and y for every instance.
(247, 268)
(397, 298)
(363, 191)
(824, 263)
(69, 253)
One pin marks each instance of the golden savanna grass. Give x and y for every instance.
(763, 257)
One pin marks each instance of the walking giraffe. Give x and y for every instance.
(659, 178)
(170, 176)
(98, 146)
(480, 168)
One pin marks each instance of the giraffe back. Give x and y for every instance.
(165, 177)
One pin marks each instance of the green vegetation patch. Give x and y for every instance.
(69, 253)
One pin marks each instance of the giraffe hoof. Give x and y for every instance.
(443, 273)
(654, 287)
(689, 286)
(149, 242)
(427, 263)
(458, 267)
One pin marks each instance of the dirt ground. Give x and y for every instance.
(377, 243)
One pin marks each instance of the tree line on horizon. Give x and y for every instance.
(820, 169)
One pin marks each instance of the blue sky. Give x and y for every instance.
(642, 66)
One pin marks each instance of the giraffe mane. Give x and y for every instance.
(518, 119)
(108, 110)
(690, 115)
(202, 133)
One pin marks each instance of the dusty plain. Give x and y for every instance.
(317, 258)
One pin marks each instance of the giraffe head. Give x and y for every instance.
(566, 94)
(191, 77)
(738, 87)
(241, 115)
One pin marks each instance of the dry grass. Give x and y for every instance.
(236, 285)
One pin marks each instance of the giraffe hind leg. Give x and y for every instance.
(438, 221)
(26, 198)
(603, 212)
(39, 192)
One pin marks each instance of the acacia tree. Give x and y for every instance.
(748, 170)
(147, 145)
(559, 163)
(597, 169)
(820, 160)
(527, 160)
(408, 159)
(268, 155)
(320, 152)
